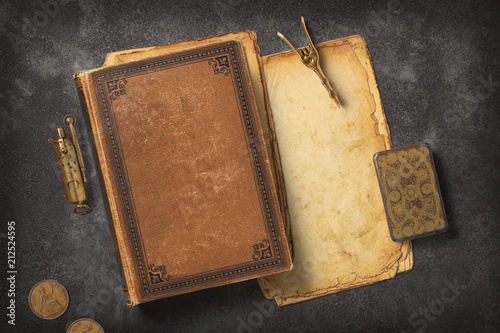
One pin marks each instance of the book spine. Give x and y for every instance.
(279, 180)
(85, 106)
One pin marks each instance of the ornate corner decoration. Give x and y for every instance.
(157, 274)
(262, 250)
(220, 65)
(116, 88)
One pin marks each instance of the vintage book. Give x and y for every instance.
(339, 231)
(184, 166)
(342, 239)
(254, 61)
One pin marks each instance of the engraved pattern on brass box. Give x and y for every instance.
(410, 191)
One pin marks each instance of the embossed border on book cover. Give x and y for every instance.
(222, 58)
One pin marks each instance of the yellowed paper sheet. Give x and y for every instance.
(340, 235)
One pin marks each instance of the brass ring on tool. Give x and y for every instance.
(79, 206)
(69, 119)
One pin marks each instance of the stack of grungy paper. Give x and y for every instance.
(340, 235)
(322, 166)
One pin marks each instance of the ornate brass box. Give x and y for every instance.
(410, 191)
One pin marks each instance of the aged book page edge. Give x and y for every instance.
(359, 47)
(273, 151)
(404, 264)
(261, 96)
(405, 261)
(123, 255)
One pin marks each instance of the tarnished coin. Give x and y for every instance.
(85, 325)
(48, 299)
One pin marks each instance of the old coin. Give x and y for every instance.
(85, 325)
(48, 299)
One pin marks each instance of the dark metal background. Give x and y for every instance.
(437, 67)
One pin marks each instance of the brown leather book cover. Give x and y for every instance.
(185, 171)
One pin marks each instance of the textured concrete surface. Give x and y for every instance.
(437, 66)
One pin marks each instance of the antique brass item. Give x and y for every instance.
(410, 192)
(310, 57)
(48, 299)
(71, 166)
(85, 325)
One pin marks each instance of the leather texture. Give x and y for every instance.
(186, 173)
